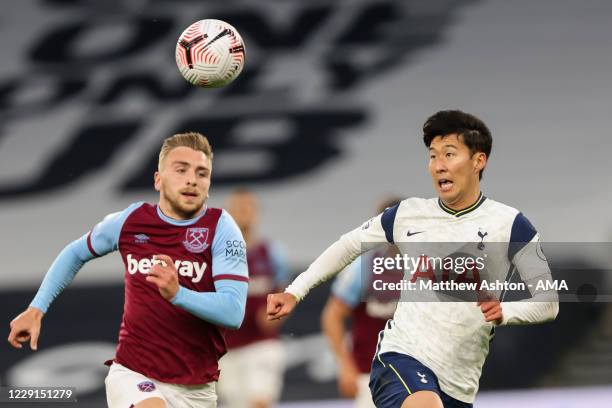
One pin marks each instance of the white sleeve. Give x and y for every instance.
(370, 235)
(543, 305)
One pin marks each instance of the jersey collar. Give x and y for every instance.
(459, 213)
(180, 223)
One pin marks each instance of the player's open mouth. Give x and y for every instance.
(189, 194)
(445, 185)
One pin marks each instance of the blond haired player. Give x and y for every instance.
(185, 282)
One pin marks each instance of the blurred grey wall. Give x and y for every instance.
(324, 121)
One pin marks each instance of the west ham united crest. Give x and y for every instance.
(196, 240)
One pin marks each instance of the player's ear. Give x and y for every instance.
(480, 161)
(157, 181)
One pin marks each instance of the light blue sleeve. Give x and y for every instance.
(280, 265)
(101, 240)
(347, 286)
(62, 271)
(224, 307)
(229, 251)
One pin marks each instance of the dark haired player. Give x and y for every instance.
(185, 280)
(431, 353)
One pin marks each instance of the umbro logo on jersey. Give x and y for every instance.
(141, 238)
(423, 379)
(410, 233)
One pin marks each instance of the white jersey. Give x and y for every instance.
(451, 338)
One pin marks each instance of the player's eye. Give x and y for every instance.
(180, 170)
(450, 154)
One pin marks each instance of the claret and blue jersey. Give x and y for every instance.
(179, 341)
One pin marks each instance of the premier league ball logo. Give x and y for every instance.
(146, 386)
(196, 240)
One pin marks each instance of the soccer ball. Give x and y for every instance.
(210, 53)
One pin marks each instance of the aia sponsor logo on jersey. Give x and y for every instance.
(196, 240)
(193, 270)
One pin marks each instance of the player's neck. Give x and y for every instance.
(169, 212)
(463, 202)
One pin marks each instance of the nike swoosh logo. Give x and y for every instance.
(409, 234)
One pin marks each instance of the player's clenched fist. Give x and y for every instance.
(490, 307)
(26, 327)
(492, 311)
(280, 305)
(163, 273)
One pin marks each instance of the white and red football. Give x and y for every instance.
(210, 53)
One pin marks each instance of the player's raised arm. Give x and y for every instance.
(526, 255)
(336, 257)
(101, 240)
(224, 307)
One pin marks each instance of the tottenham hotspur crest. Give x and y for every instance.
(196, 240)
(481, 235)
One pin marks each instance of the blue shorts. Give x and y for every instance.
(396, 376)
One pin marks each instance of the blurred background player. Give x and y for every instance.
(171, 334)
(252, 370)
(368, 311)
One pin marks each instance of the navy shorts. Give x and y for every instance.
(396, 376)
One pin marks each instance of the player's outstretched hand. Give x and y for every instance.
(280, 305)
(165, 276)
(26, 327)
